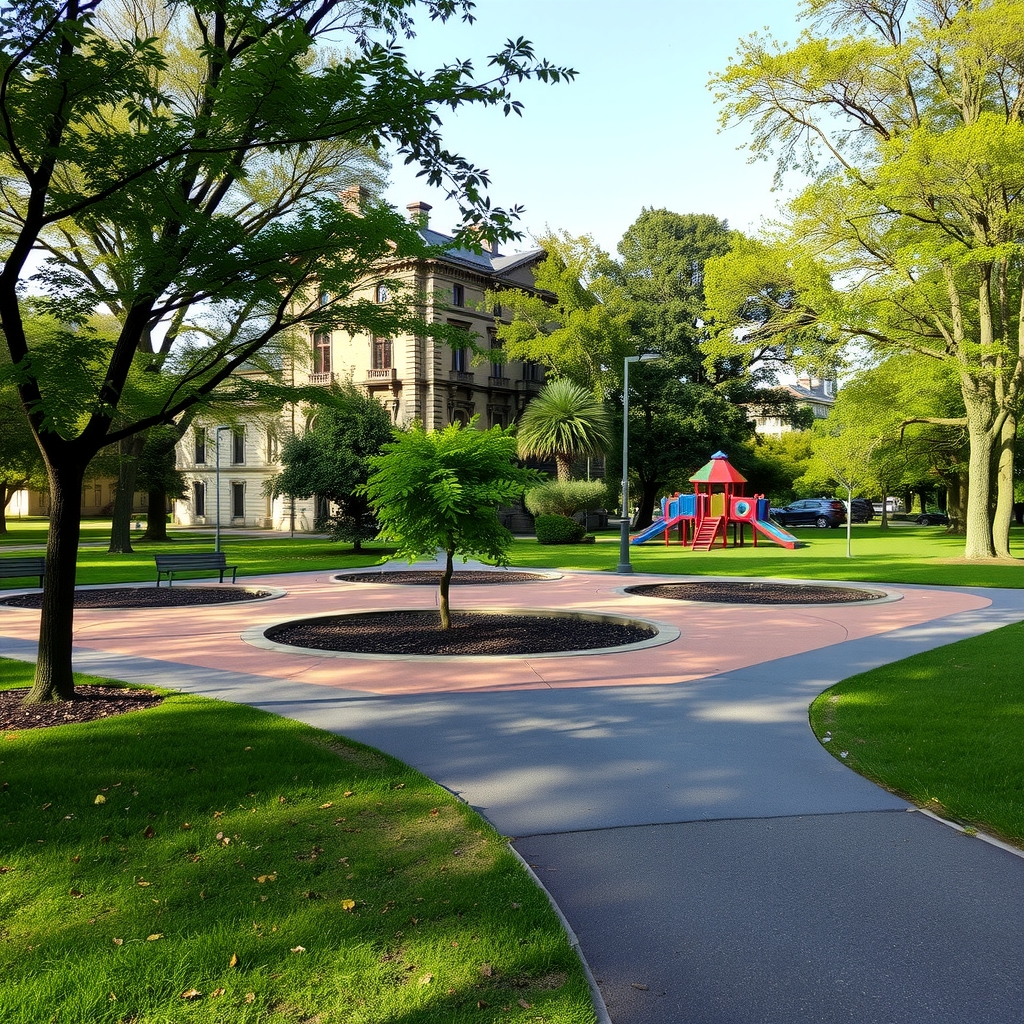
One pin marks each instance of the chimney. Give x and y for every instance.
(484, 243)
(355, 198)
(419, 214)
(804, 380)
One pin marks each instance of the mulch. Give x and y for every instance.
(755, 593)
(90, 703)
(487, 633)
(145, 597)
(432, 577)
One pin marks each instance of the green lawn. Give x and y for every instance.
(254, 556)
(943, 729)
(207, 862)
(901, 554)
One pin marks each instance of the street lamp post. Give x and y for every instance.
(216, 462)
(647, 357)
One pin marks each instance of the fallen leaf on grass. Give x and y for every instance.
(348, 793)
(426, 979)
(481, 1005)
(143, 883)
(525, 1005)
(267, 878)
(46, 807)
(233, 962)
(76, 894)
(298, 949)
(250, 997)
(118, 942)
(327, 806)
(154, 936)
(100, 799)
(486, 971)
(150, 832)
(217, 992)
(191, 993)
(348, 905)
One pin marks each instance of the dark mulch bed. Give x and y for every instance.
(432, 577)
(755, 593)
(419, 632)
(90, 703)
(145, 597)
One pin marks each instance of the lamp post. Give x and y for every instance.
(647, 357)
(216, 462)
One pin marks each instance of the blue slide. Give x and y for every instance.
(658, 526)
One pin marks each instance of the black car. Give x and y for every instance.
(861, 511)
(820, 512)
(933, 517)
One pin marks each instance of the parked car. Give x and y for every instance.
(932, 517)
(890, 505)
(862, 511)
(820, 512)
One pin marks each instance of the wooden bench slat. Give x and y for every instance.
(28, 565)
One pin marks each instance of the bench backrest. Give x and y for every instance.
(193, 560)
(28, 566)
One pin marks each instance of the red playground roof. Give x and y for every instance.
(718, 471)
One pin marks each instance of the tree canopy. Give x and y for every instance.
(332, 460)
(906, 115)
(102, 138)
(442, 489)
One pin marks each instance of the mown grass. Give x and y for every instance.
(254, 556)
(943, 729)
(206, 862)
(901, 554)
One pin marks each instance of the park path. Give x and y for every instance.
(716, 864)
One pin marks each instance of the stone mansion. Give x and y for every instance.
(414, 378)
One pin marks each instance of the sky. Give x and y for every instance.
(637, 128)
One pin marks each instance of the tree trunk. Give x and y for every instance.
(978, 542)
(648, 495)
(156, 517)
(54, 679)
(564, 467)
(1004, 488)
(127, 472)
(446, 579)
(6, 494)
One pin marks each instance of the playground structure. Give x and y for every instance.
(717, 502)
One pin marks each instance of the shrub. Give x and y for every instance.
(559, 530)
(566, 497)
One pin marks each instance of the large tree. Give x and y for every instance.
(93, 133)
(907, 116)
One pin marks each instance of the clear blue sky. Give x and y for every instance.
(638, 127)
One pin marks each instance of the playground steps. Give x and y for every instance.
(706, 533)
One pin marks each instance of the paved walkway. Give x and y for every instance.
(715, 862)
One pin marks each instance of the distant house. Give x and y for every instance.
(414, 377)
(810, 393)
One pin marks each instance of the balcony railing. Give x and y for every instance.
(500, 382)
(529, 385)
(460, 376)
(322, 378)
(387, 373)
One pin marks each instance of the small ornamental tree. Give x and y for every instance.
(442, 489)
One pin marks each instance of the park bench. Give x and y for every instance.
(207, 562)
(32, 565)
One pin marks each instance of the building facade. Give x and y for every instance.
(810, 393)
(414, 377)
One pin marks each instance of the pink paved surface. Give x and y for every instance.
(713, 637)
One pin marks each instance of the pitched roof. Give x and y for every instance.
(718, 471)
(484, 262)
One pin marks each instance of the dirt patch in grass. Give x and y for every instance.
(90, 703)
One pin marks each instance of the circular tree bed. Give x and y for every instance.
(146, 597)
(472, 633)
(432, 577)
(739, 592)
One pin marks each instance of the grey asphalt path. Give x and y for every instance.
(715, 862)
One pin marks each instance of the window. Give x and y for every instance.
(322, 352)
(460, 359)
(199, 498)
(531, 370)
(497, 363)
(382, 353)
(200, 447)
(238, 501)
(272, 444)
(382, 293)
(458, 294)
(238, 446)
(325, 298)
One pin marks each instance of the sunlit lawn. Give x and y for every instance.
(207, 862)
(901, 554)
(944, 728)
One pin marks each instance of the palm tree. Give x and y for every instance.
(565, 421)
